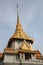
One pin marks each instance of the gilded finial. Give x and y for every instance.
(18, 26)
(17, 11)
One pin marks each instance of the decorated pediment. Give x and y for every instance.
(25, 46)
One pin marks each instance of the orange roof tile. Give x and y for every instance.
(38, 54)
(9, 49)
(10, 52)
(27, 51)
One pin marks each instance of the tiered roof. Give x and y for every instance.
(19, 33)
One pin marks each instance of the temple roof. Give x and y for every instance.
(19, 33)
(38, 54)
(10, 51)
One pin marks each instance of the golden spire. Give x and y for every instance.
(19, 33)
(18, 26)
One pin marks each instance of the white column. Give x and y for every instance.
(32, 56)
(20, 56)
(23, 56)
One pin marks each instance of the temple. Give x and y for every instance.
(19, 47)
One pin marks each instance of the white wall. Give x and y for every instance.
(9, 58)
(16, 44)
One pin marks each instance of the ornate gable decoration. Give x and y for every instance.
(25, 46)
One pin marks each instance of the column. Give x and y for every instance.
(20, 56)
(32, 56)
(23, 56)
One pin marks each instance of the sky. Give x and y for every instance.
(31, 19)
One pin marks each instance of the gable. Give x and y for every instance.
(25, 46)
